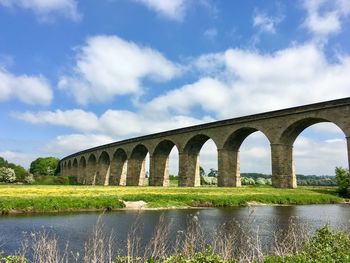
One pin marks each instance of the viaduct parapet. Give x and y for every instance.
(123, 162)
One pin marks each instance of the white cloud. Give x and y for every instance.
(77, 119)
(325, 16)
(256, 82)
(172, 9)
(23, 159)
(108, 66)
(208, 93)
(44, 9)
(68, 144)
(266, 23)
(28, 89)
(116, 124)
(319, 157)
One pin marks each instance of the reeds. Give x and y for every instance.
(232, 242)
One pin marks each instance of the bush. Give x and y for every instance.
(7, 175)
(247, 181)
(260, 181)
(325, 246)
(29, 179)
(342, 177)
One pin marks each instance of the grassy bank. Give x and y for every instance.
(44, 198)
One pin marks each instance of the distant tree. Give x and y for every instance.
(7, 175)
(201, 171)
(29, 179)
(44, 166)
(342, 177)
(247, 181)
(3, 162)
(213, 173)
(20, 172)
(260, 181)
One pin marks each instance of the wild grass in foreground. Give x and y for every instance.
(233, 242)
(45, 198)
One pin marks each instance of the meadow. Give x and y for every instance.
(49, 198)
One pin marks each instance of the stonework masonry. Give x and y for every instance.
(123, 163)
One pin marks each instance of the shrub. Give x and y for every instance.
(7, 175)
(29, 179)
(247, 181)
(342, 177)
(260, 181)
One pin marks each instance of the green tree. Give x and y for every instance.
(213, 173)
(201, 171)
(44, 166)
(342, 177)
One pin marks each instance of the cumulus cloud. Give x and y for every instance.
(117, 124)
(68, 144)
(172, 9)
(257, 82)
(28, 89)
(320, 157)
(44, 9)
(77, 119)
(325, 17)
(108, 66)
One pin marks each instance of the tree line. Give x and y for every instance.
(14, 173)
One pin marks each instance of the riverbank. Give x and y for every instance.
(30, 199)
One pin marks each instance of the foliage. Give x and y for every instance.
(201, 171)
(29, 179)
(260, 181)
(325, 246)
(55, 180)
(342, 177)
(7, 175)
(206, 256)
(20, 172)
(12, 259)
(213, 173)
(45, 166)
(247, 181)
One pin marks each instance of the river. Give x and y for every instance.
(75, 228)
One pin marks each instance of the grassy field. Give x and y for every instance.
(45, 198)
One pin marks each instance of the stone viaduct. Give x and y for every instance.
(123, 162)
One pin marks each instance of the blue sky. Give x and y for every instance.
(76, 74)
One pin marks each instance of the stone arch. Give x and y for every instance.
(103, 169)
(82, 171)
(75, 168)
(189, 174)
(283, 169)
(118, 168)
(229, 164)
(136, 166)
(69, 165)
(91, 169)
(159, 170)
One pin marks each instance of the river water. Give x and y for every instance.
(75, 228)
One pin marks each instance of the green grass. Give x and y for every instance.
(43, 198)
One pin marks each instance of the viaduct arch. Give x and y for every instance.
(123, 162)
